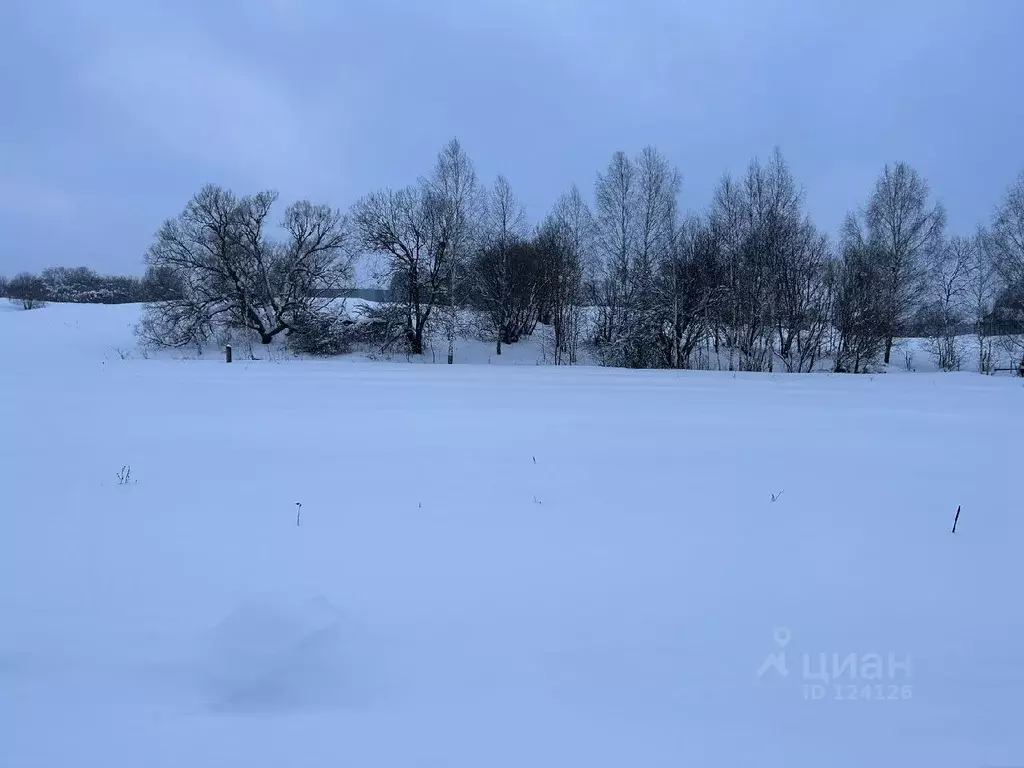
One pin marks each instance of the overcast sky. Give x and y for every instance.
(114, 112)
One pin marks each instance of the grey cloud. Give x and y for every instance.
(116, 112)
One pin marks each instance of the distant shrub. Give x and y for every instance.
(28, 290)
(386, 327)
(322, 334)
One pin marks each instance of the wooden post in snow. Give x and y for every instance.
(227, 353)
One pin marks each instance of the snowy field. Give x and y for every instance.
(500, 566)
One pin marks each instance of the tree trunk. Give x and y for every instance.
(498, 350)
(888, 348)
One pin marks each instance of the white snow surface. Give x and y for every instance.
(499, 565)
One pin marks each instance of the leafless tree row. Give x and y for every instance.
(748, 283)
(754, 278)
(77, 285)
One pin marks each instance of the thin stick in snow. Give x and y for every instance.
(957, 517)
(298, 514)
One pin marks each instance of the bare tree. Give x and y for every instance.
(906, 231)
(688, 286)
(506, 270)
(4, 286)
(615, 233)
(636, 230)
(658, 185)
(1004, 244)
(727, 218)
(26, 289)
(411, 227)
(767, 245)
(803, 297)
(231, 274)
(1005, 239)
(566, 243)
(161, 284)
(949, 281)
(454, 184)
(858, 283)
(652, 310)
(316, 259)
(983, 286)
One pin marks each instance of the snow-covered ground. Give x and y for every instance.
(499, 566)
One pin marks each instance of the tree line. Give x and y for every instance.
(625, 275)
(78, 285)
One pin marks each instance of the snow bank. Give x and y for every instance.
(103, 334)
